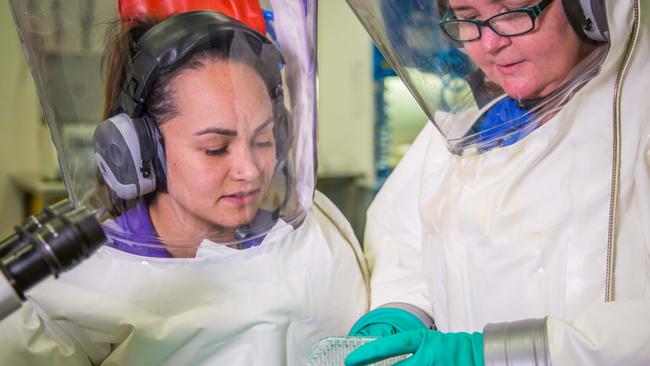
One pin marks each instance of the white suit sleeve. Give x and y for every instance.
(393, 235)
(27, 339)
(614, 333)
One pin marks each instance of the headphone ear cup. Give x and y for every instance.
(588, 18)
(119, 158)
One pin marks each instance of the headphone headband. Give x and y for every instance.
(169, 43)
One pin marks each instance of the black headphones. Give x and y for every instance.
(588, 19)
(128, 146)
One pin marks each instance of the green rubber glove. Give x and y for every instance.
(429, 347)
(385, 321)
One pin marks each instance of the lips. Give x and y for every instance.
(242, 197)
(509, 68)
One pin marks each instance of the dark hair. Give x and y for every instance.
(161, 104)
(123, 44)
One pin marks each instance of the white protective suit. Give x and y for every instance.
(279, 271)
(521, 232)
(263, 306)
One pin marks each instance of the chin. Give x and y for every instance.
(234, 221)
(522, 88)
(229, 216)
(520, 92)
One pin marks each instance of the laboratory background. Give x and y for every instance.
(366, 118)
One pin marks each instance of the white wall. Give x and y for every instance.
(346, 105)
(19, 121)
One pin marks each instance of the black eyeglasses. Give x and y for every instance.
(510, 23)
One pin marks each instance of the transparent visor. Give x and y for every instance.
(187, 133)
(487, 73)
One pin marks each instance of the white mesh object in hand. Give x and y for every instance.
(331, 351)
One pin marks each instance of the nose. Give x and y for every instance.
(244, 165)
(492, 42)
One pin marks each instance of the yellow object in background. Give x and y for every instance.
(38, 192)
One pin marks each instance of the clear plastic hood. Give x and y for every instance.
(482, 71)
(187, 125)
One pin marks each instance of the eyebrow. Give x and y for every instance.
(226, 132)
(470, 7)
(461, 8)
(216, 130)
(467, 7)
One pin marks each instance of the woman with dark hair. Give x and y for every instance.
(219, 249)
(193, 110)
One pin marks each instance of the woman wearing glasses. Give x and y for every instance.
(219, 250)
(515, 230)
